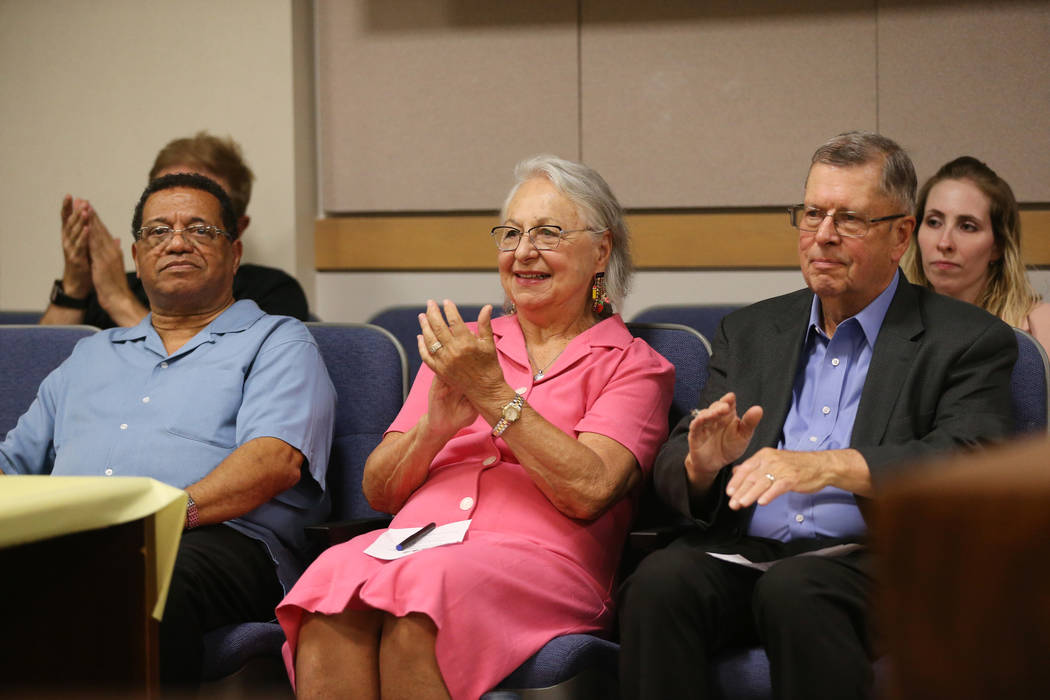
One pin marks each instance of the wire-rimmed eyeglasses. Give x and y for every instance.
(200, 234)
(545, 237)
(849, 224)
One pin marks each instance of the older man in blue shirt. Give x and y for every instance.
(205, 394)
(844, 381)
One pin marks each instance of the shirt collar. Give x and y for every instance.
(609, 332)
(237, 317)
(870, 317)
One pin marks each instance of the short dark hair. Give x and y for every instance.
(219, 156)
(192, 181)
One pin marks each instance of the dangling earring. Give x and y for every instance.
(599, 298)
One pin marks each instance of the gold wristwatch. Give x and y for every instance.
(511, 413)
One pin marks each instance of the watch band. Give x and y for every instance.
(193, 518)
(511, 413)
(60, 298)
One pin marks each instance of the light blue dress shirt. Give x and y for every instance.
(120, 405)
(823, 407)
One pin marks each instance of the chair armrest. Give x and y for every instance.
(325, 535)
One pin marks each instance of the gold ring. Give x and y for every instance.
(435, 346)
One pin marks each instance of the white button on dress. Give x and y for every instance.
(489, 461)
(826, 410)
(834, 362)
(799, 518)
(145, 399)
(467, 503)
(123, 426)
(109, 472)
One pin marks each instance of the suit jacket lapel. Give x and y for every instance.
(891, 359)
(780, 359)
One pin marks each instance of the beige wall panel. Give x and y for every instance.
(690, 104)
(969, 78)
(92, 90)
(427, 105)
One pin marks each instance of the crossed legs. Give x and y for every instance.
(368, 654)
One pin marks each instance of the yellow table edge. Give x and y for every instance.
(38, 507)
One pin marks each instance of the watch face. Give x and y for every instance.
(512, 412)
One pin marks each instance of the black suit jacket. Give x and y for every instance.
(939, 379)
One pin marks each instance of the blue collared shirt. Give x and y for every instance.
(120, 405)
(824, 405)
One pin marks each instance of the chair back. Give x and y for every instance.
(20, 317)
(688, 351)
(703, 317)
(403, 322)
(367, 367)
(1030, 385)
(28, 354)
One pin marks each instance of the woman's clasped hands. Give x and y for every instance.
(465, 365)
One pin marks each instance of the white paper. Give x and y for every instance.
(835, 551)
(385, 546)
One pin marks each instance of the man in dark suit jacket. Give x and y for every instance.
(845, 380)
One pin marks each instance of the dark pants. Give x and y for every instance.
(221, 577)
(681, 606)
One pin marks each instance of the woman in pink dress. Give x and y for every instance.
(968, 245)
(534, 432)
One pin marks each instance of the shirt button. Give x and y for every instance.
(826, 410)
(812, 438)
(467, 503)
(520, 391)
(799, 518)
(489, 461)
(164, 365)
(145, 399)
(834, 362)
(123, 426)
(109, 472)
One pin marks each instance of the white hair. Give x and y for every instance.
(597, 206)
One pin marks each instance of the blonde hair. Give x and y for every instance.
(1008, 294)
(220, 156)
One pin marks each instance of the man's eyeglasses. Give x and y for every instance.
(542, 237)
(848, 224)
(199, 234)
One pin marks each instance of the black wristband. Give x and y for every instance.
(59, 298)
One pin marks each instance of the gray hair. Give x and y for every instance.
(597, 206)
(862, 147)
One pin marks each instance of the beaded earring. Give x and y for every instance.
(599, 298)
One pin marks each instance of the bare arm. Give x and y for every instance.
(251, 475)
(76, 272)
(108, 278)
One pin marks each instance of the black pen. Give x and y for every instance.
(416, 536)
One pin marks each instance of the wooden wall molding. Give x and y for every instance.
(694, 240)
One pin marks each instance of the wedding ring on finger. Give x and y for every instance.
(770, 477)
(435, 346)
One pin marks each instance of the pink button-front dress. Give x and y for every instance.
(525, 573)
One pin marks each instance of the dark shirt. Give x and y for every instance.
(275, 291)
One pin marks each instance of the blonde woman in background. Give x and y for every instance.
(968, 245)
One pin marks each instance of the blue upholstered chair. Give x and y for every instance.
(21, 318)
(367, 367)
(703, 317)
(403, 322)
(28, 353)
(583, 665)
(1030, 384)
